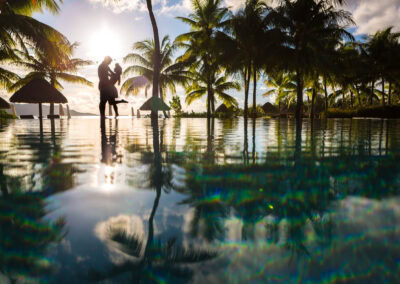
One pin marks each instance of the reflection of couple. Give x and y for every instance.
(107, 81)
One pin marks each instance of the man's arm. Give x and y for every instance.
(109, 72)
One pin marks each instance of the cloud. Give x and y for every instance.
(131, 224)
(119, 6)
(182, 7)
(371, 15)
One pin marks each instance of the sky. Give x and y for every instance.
(108, 27)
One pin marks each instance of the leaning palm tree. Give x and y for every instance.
(171, 74)
(216, 88)
(54, 67)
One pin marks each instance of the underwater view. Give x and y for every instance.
(199, 201)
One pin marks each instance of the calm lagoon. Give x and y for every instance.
(197, 201)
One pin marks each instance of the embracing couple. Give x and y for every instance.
(107, 81)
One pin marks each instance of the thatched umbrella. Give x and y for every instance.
(222, 109)
(38, 91)
(155, 104)
(4, 104)
(270, 108)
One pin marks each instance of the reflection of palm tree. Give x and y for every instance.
(155, 258)
(25, 235)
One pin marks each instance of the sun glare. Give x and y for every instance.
(105, 42)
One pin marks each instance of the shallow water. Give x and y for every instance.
(189, 201)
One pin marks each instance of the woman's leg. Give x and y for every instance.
(114, 104)
(121, 102)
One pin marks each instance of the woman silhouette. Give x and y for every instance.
(113, 92)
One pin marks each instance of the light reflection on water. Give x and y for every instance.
(193, 201)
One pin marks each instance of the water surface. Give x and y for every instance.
(197, 201)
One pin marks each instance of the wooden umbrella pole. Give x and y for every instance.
(14, 112)
(69, 114)
(132, 112)
(61, 110)
(40, 111)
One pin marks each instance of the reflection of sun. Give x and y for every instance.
(109, 175)
(105, 42)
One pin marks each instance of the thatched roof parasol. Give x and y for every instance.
(38, 91)
(155, 104)
(4, 104)
(222, 108)
(270, 108)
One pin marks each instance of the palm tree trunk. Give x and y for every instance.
(390, 93)
(358, 97)
(254, 92)
(299, 105)
(343, 98)
(372, 92)
(212, 103)
(246, 90)
(326, 96)
(156, 67)
(351, 99)
(312, 103)
(383, 91)
(208, 100)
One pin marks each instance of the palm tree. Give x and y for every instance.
(283, 86)
(217, 87)
(52, 67)
(157, 54)
(7, 78)
(207, 18)
(381, 49)
(307, 27)
(245, 47)
(18, 28)
(171, 73)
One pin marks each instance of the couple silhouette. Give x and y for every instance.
(107, 81)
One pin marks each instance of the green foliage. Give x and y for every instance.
(5, 115)
(215, 87)
(175, 105)
(171, 74)
(55, 67)
(19, 30)
(392, 111)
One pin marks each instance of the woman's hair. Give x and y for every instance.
(118, 69)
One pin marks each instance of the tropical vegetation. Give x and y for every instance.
(303, 50)
(171, 73)
(40, 49)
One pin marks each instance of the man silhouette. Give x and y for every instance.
(104, 73)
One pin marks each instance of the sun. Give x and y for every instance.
(105, 42)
